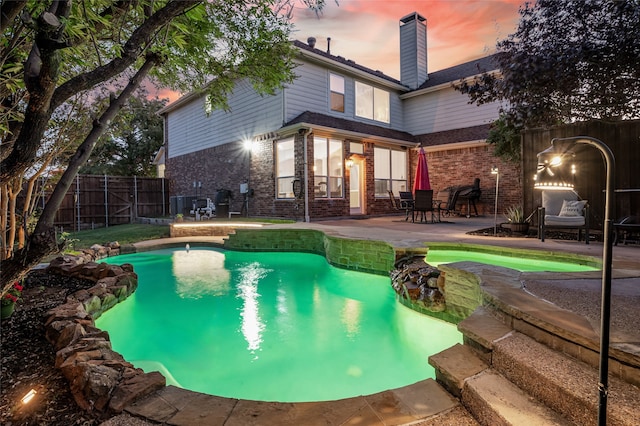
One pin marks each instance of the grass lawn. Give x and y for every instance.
(124, 234)
(132, 233)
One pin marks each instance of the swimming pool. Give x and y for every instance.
(520, 261)
(282, 327)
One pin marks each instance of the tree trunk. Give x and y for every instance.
(38, 247)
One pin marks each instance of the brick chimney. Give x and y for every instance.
(413, 50)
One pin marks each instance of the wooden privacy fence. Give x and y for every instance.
(102, 201)
(622, 137)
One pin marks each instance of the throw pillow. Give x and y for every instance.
(572, 208)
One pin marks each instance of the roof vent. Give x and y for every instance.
(311, 41)
(329, 45)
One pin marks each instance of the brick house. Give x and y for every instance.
(334, 142)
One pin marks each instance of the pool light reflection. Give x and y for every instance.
(252, 325)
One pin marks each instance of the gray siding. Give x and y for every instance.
(310, 92)
(191, 130)
(445, 109)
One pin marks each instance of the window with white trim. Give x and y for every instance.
(327, 168)
(285, 168)
(372, 103)
(390, 171)
(336, 92)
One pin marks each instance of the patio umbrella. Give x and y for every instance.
(422, 172)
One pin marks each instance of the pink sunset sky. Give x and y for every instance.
(367, 31)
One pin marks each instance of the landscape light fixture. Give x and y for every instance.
(495, 171)
(29, 396)
(550, 176)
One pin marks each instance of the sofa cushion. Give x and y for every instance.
(569, 221)
(572, 208)
(552, 200)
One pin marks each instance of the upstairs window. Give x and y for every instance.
(372, 103)
(390, 171)
(285, 168)
(336, 88)
(327, 168)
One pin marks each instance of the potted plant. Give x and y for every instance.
(516, 220)
(179, 217)
(9, 299)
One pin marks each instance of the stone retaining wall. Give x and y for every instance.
(100, 378)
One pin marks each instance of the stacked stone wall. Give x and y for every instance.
(100, 379)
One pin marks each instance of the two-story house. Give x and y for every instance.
(334, 142)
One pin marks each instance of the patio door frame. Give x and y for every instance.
(357, 187)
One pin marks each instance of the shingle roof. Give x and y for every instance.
(456, 135)
(467, 69)
(344, 61)
(429, 139)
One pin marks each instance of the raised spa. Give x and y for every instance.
(525, 261)
(270, 326)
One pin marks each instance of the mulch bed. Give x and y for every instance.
(28, 359)
(533, 233)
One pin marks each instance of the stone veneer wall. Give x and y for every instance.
(462, 292)
(375, 257)
(202, 229)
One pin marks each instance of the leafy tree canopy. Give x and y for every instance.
(131, 142)
(567, 61)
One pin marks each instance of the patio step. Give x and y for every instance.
(504, 377)
(562, 383)
(490, 398)
(494, 400)
(480, 330)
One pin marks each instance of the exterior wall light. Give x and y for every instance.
(349, 163)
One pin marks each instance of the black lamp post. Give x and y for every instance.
(549, 176)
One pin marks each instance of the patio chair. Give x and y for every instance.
(627, 226)
(442, 201)
(405, 203)
(423, 203)
(563, 209)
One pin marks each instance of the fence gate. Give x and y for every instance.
(118, 201)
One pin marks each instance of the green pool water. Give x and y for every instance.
(518, 262)
(270, 326)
